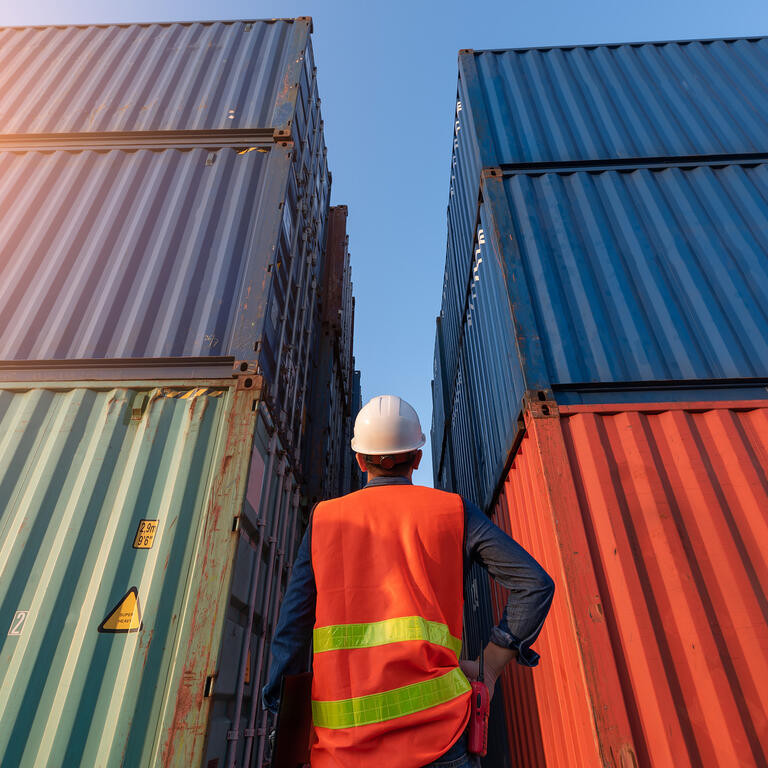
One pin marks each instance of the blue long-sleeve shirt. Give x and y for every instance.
(530, 595)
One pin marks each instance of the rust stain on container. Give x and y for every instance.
(662, 509)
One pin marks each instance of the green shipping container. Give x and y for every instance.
(132, 539)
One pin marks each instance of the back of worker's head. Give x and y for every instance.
(388, 436)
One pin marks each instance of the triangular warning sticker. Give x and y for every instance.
(125, 616)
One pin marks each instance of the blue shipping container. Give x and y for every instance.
(616, 235)
(612, 277)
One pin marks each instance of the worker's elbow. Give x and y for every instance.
(546, 585)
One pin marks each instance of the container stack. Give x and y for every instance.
(331, 469)
(600, 385)
(164, 201)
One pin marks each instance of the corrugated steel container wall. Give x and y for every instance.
(356, 476)
(493, 370)
(118, 283)
(560, 107)
(643, 275)
(291, 350)
(292, 291)
(228, 264)
(186, 69)
(462, 220)
(550, 720)
(80, 467)
(85, 272)
(327, 449)
(652, 519)
(478, 622)
(597, 102)
(450, 318)
(464, 440)
(281, 520)
(440, 401)
(155, 77)
(612, 277)
(346, 347)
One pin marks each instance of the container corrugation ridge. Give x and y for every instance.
(219, 75)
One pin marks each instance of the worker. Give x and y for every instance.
(377, 587)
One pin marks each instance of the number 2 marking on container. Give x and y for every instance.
(17, 625)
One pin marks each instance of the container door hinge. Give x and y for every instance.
(233, 735)
(249, 733)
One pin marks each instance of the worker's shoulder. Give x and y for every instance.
(336, 502)
(437, 493)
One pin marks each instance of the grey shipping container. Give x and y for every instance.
(253, 76)
(236, 88)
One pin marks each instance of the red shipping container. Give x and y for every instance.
(653, 521)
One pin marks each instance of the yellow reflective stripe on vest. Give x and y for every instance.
(347, 636)
(378, 707)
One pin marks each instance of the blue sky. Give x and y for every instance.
(387, 77)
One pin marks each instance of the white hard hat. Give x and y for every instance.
(386, 425)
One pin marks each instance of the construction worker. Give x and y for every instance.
(377, 586)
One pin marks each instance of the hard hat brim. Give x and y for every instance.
(369, 450)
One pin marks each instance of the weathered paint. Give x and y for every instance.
(329, 457)
(80, 466)
(651, 519)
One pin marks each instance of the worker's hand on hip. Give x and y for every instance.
(472, 671)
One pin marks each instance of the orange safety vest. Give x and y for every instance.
(387, 689)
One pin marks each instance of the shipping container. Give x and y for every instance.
(605, 342)
(253, 76)
(329, 454)
(164, 197)
(439, 402)
(598, 105)
(221, 119)
(87, 273)
(621, 190)
(612, 278)
(142, 523)
(651, 518)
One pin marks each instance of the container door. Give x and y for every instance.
(102, 494)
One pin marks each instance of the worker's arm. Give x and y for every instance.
(293, 635)
(530, 592)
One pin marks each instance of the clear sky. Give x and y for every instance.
(387, 79)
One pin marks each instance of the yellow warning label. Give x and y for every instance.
(248, 668)
(145, 534)
(125, 616)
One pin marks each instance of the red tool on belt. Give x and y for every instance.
(478, 718)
